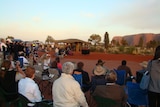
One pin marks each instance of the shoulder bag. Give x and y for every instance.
(146, 78)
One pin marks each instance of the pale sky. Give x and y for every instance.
(79, 19)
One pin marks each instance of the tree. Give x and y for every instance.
(10, 37)
(140, 42)
(49, 39)
(106, 40)
(152, 44)
(95, 39)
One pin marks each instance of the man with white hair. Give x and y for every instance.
(66, 90)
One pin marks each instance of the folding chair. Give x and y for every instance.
(121, 77)
(44, 103)
(136, 96)
(78, 78)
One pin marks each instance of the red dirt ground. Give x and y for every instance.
(105, 56)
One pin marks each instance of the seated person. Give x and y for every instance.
(46, 61)
(9, 78)
(85, 76)
(123, 66)
(140, 72)
(54, 66)
(111, 90)
(66, 90)
(28, 88)
(101, 63)
(98, 78)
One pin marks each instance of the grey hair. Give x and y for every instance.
(68, 67)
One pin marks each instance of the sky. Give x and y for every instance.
(79, 19)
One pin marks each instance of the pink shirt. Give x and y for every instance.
(59, 65)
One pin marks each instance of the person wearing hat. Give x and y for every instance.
(111, 90)
(140, 73)
(101, 63)
(98, 78)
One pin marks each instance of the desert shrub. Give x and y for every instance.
(101, 50)
(129, 50)
(121, 48)
(92, 49)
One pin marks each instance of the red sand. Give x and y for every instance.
(105, 56)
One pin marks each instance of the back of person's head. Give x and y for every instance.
(124, 62)
(100, 62)
(5, 66)
(111, 76)
(68, 67)
(157, 53)
(30, 71)
(80, 65)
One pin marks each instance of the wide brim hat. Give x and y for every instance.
(99, 70)
(144, 64)
(100, 62)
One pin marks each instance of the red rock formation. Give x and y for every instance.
(134, 39)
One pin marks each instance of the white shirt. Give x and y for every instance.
(46, 63)
(28, 88)
(67, 92)
(1, 46)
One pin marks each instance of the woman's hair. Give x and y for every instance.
(111, 76)
(30, 71)
(68, 67)
(157, 53)
(4, 67)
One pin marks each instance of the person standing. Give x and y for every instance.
(59, 65)
(3, 48)
(66, 90)
(154, 84)
(9, 78)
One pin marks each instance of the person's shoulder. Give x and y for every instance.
(119, 66)
(84, 72)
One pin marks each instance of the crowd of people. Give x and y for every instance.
(67, 89)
